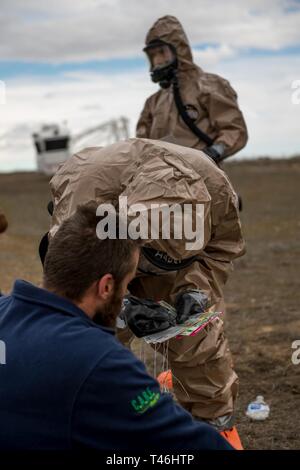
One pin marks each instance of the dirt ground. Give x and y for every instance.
(263, 293)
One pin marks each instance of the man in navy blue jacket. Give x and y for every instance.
(66, 381)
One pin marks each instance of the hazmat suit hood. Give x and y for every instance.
(143, 171)
(170, 30)
(154, 172)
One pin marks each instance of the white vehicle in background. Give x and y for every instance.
(54, 144)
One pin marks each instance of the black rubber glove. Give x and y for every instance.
(215, 151)
(145, 317)
(190, 303)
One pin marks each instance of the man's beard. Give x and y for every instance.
(107, 315)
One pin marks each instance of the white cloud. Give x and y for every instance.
(211, 56)
(87, 101)
(264, 88)
(265, 95)
(64, 30)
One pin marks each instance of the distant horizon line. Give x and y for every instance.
(242, 159)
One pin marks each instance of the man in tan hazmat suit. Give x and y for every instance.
(151, 172)
(192, 108)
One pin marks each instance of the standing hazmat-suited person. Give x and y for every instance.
(151, 172)
(192, 108)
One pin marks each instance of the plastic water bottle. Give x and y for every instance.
(258, 410)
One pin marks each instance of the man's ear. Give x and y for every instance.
(105, 286)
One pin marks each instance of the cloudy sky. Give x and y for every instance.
(82, 62)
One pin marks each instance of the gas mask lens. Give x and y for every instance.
(160, 56)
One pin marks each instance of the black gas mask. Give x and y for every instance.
(164, 71)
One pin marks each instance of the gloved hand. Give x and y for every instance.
(145, 317)
(215, 151)
(189, 303)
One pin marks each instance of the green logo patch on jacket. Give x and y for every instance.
(147, 399)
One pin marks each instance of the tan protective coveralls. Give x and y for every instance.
(211, 99)
(149, 172)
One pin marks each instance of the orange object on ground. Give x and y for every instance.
(165, 379)
(232, 436)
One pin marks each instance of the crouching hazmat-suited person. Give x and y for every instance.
(192, 108)
(153, 172)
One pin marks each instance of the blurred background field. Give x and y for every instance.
(262, 294)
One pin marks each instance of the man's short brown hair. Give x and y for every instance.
(76, 257)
